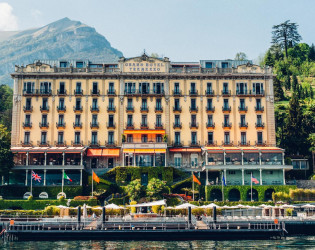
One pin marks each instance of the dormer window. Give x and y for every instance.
(224, 65)
(63, 64)
(209, 65)
(79, 64)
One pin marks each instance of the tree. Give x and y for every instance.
(6, 156)
(287, 82)
(6, 98)
(286, 35)
(279, 94)
(155, 188)
(240, 56)
(134, 189)
(295, 83)
(269, 60)
(311, 54)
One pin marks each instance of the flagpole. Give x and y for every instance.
(222, 187)
(92, 182)
(193, 186)
(62, 181)
(31, 182)
(251, 186)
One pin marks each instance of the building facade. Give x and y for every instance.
(214, 117)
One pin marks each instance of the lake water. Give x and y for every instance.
(288, 243)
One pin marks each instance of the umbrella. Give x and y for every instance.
(287, 206)
(98, 208)
(185, 205)
(308, 206)
(210, 205)
(61, 206)
(84, 210)
(112, 206)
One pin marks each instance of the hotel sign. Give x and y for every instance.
(144, 64)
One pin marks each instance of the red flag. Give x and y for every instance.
(195, 179)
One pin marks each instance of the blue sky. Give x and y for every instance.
(183, 30)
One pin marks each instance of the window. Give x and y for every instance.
(111, 103)
(129, 120)
(176, 104)
(144, 120)
(158, 88)
(61, 103)
(243, 138)
(78, 88)
(226, 137)
(176, 88)
(194, 138)
(45, 104)
(258, 104)
(243, 122)
(28, 103)
(158, 120)
(27, 119)
(224, 65)
(77, 137)
(94, 137)
(193, 104)
(242, 104)
(111, 137)
(226, 104)
(94, 119)
(63, 64)
(177, 160)
(248, 172)
(111, 120)
(193, 119)
(29, 87)
(130, 87)
(27, 138)
(210, 137)
(209, 65)
(60, 137)
(111, 88)
(158, 138)
(129, 138)
(144, 104)
(158, 104)
(192, 88)
(60, 120)
(44, 138)
(209, 103)
(95, 89)
(210, 120)
(77, 119)
(225, 87)
(209, 88)
(144, 138)
(177, 119)
(44, 119)
(258, 88)
(177, 137)
(144, 88)
(94, 103)
(270, 172)
(78, 103)
(129, 104)
(226, 120)
(45, 87)
(194, 159)
(259, 120)
(259, 137)
(241, 88)
(61, 87)
(232, 172)
(79, 64)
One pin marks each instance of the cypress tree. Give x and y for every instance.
(294, 83)
(269, 60)
(287, 82)
(279, 94)
(311, 54)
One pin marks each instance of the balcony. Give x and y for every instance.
(244, 143)
(45, 92)
(29, 92)
(78, 92)
(130, 109)
(226, 92)
(110, 144)
(226, 109)
(111, 109)
(62, 93)
(144, 109)
(43, 143)
(28, 109)
(194, 143)
(177, 92)
(77, 109)
(77, 125)
(26, 143)
(111, 125)
(210, 109)
(130, 92)
(94, 125)
(210, 125)
(60, 143)
(243, 124)
(211, 143)
(259, 109)
(193, 92)
(94, 143)
(44, 125)
(130, 125)
(227, 143)
(160, 92)
(261, 143)
(44, 109)
(177, 143)
(158, 125)
(144, 126)
(177, 109)
(77, 143)
(27, 125)
(209, 93)
(61, 109)
(60, 124)
(242, 109)
(177, 125)
(193, 109)
(158, 109)
(94, 109)
(111, 92)
(260, 125)
(193, 125)
(95, 93)
(226, 124)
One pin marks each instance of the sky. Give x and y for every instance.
(183, 30)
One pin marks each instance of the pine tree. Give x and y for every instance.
(311, 92)
(279, 94)
(295, 83)
(287, 82)
(311, 54)
(269, 60)
(294, 132)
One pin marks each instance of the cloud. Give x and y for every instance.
(8, 21)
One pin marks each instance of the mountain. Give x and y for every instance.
(63, 39)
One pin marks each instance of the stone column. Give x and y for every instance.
(134, 159)
(224, 154)
(81, 177)
(243, 181)
(283, 158)
(45, 177)
(283, 170)
(26, 174)
(225, 177)
(81, 162)
(259, 157)
(260, 176)
(242, 157)
(207, 178)
(63, 179)
(45, 163)
(63, 158)
(27, 154)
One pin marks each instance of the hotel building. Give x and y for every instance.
(212, 116)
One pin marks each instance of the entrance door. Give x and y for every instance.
(110, 162)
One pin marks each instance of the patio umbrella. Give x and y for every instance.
(287, 206)
(61, 206)
(112, 206)
(185, 206)
(84, 211)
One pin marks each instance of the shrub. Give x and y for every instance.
(280, 196)
(289, 212)
(134, 189)
(133, 209)
(155, 188)
(157, 209)
(52, 210)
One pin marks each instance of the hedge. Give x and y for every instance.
(121, 173)
(244, 189)
(12, 191)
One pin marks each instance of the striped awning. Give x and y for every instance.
(185, 150)
(41, 150)
(145, 150)
(105, 152)
(144, 131)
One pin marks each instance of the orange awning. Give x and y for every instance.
(185, 150)
(214, 149)
(144, 131)
(111, 152)
(145, 150)
(94, 152)
(250, 150)
(270, 149)
(232, 150)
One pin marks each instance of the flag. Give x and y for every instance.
(96, 178)
(195, 179)
(36, 177)
(65, 176)
(223, 180)
(255, 180)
